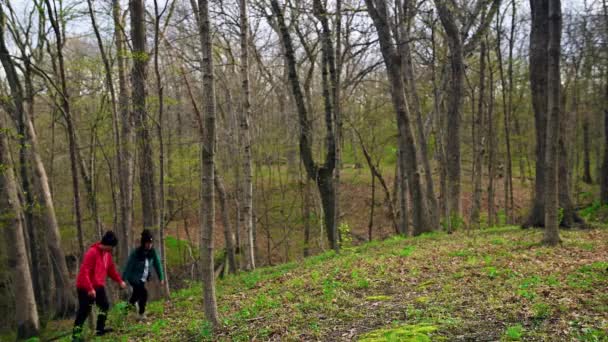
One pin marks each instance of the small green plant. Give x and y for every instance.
(407, 251)
(461, 253)
(514, 333)
(346, 238)
(157, 326)
(491, 272)
(526, 288)
(360, 281)
(418, 333)
(541, 311)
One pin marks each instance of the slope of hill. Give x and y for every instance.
(493, 284)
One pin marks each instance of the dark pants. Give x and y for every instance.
(140, 295)
(85, 304)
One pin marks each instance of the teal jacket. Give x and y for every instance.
(134, 270)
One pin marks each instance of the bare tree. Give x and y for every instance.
(207, 162)
(125, 155)
(458, 51)
(407, 147)
(11, 214)
(246, 205)
(65, 301)
(53, 16)
(322, 174)
(604, 170)
(554, 21)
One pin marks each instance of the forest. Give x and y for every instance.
(310, 170)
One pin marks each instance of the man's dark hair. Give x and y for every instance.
(109, 239)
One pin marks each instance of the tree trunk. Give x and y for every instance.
(138, 80)
(125, 169)
(412, 93)
(540, 93)
(538, 87)
(33, 245)
(336, 95)
(604, 168)
(454, 95)
(491, 150)
(228, 235)
(162, 216)
(65, 301)
(404, 217)
(322, 174)
(586, 151)
(329, 82)
(207, 166)
(245, 141)
(506, 91)
(71, 130)
(26, 313)
(478, 140)
(407, 146)
(554, 20)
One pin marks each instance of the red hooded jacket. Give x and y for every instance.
(96, 266)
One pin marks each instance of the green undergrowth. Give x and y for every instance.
(492, 284)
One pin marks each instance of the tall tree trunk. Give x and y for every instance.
(246, 206)
(538, 86)
(337, 84)
(454, 95)
(478, 140)
(540, 56)
(110, 89)
(329, 83)
(604, 168)
(554, 19)
(414, 103)
(65, 110)
(65, 301)
(407, 146)
(26, 313)
(138, 80)
(207, 166)
(162, 216)
(125, 169)
(506, 90)
(491, 150)
(322, 174)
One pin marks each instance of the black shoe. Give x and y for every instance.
(104, 331)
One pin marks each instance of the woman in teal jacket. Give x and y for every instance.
(138, 269)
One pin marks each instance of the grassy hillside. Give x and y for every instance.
(494, 284)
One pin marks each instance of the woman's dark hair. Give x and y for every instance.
(109, 239)
(146, 236)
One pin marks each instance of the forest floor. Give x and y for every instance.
(487, 285)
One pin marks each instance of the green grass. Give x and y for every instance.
(493, 284)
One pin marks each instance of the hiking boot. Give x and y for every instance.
(103, 331)
(142, 317)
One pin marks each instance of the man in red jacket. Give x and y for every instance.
(96, 265)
